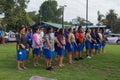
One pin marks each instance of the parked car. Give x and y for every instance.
(113, 38)
(10, 36)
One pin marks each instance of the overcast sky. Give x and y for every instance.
(78, 7)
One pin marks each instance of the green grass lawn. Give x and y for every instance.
(100, 67)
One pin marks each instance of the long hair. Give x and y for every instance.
(21, 28)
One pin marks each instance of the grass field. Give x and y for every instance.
(100, 67)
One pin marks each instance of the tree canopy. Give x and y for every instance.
(15, 14)
(50, 12)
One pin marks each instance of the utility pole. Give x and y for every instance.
(86, 13)
(63, 7)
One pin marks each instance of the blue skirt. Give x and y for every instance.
(71, 49)
(37, 51)
(80, 47)
(61, 51)
(92, 46)
(66, 46)
(88, 44)
(48, 53)
(98, 46)
(104, 43)
(56, 48)
(21, 54)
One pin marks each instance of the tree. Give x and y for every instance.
(81, 21)
(50, 12)
(111, 17)
(99, 17)
(35, 17)
(117, 26)
(15, 14)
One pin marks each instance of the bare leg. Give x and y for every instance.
(23, 64)
(70, 57)
(61, 61)
(35, 60)
(18, 65)
(103, 49)
(27, 55)
(47, 63)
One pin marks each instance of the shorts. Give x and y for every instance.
(48, 53)
(21, 54)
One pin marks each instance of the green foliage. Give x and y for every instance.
(100, 67)
(15, 14)
(116, 28)
(81, 21)
(35, 17)
(111, 17)
(50, 12)
(100, 16)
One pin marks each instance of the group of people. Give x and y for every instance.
(56, 43)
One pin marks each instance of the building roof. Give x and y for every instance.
(55, 25)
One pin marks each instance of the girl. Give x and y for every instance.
(99, 41)
(56, 47)
(88, 42)
(21, 48)
(29, 37)
(104, 40)
(49, 47)
(71, 45)
(93, 43)
(61, 51)
(80, 42)
(37, 49)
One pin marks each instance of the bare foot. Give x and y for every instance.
(19, 68)
(24, 67)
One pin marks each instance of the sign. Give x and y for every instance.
(75, 21)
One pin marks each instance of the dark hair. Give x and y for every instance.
(79, 27)
(48, 29)
(69, 29)
(21, 28)
(29, 29)
(86, 30)
(61, 31)
(35, 29)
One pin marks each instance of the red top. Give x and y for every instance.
(80, 36)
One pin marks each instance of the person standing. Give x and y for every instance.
(88, 42)
(71, 45)
(80, 43)
(21, 48)
(30, 39)
(61, 51)
(36, 45)
(104, 40)
(49, 42)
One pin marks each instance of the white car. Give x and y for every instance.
(10, 36)
(114, 39)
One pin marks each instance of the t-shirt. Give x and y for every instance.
(36, 40)
(80, 37)
(51, 38)
(61, 39)
(29, 36)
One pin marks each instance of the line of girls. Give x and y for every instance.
(61, 42)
